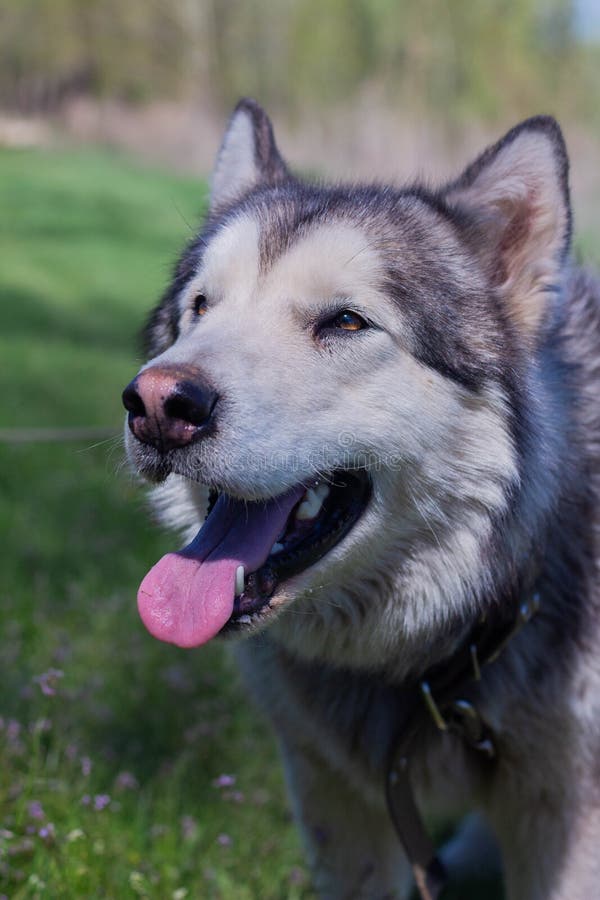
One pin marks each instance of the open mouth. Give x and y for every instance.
(225, 578)
(319, 520)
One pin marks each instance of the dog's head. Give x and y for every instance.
(346, 375)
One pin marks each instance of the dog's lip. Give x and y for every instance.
(157, 468)
(350, 493)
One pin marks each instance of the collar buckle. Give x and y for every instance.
(461, 715)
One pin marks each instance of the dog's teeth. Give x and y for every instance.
(276, 548)
(239, 581)
(312, 502)
(322, 491)
(244, 620)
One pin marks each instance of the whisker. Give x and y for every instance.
(115, 440)
(183, 218)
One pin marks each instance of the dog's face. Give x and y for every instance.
(341, 372)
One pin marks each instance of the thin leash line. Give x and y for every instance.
(56, 435)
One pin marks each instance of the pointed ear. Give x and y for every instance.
(248, 155)
(516, 200)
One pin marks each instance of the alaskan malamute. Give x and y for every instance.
(385, 404)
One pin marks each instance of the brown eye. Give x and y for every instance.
(349, 321)
(200, 304)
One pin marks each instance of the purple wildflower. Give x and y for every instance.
(35, 810)
(224, 781)
(47, 832)
(101, 801)
(126, 781)
(86, 765)
(86, 800)
(48, 681)
(224, 840)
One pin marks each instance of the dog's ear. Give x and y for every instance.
(248, 156)
(515, 202)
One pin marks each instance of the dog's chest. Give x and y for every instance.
(352, 722)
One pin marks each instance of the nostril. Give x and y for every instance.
(191, 403)
(132, 401)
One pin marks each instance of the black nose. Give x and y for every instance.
(169, 406)
(191, 403)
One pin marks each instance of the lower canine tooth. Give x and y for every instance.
(276, 548)
(239, 581)
(245, 620)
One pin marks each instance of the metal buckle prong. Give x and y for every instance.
(432, 706)
(475, 662)
(529, 608)
(472, 727)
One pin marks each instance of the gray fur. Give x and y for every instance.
(476, 393)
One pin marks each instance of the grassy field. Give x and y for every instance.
(111, 744)
(128, 768)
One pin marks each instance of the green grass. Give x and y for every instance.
(88, 240)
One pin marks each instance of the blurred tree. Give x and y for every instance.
(331, 48)
(475, 57)
(51, 49)
(491, 59)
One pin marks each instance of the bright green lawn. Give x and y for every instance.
(106, 780)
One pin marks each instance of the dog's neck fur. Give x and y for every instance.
(366, 711)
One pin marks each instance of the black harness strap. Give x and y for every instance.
(438, 695)
(428, 871)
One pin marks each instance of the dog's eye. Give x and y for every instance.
(200, 305)
(348, 321)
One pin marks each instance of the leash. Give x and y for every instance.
(437, 695)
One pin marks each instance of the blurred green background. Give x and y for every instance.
(129, 768)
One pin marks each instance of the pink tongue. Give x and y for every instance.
(188, 596)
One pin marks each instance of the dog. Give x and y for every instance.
(374, 413)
